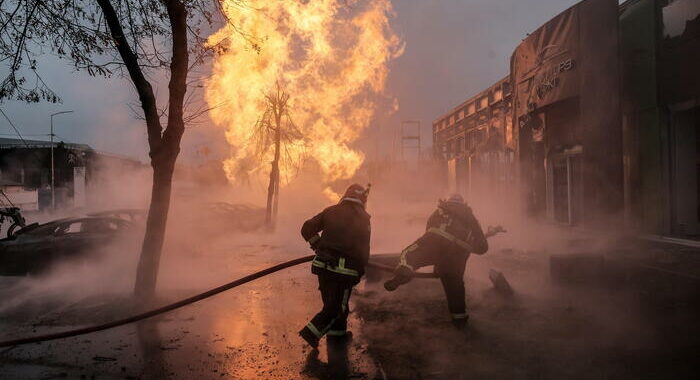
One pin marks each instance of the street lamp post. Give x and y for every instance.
(53, 184)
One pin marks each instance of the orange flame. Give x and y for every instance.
(330, 56)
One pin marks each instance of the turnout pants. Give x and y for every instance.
(450, 262)
(333, 318)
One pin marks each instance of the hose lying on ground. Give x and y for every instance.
(179, 304)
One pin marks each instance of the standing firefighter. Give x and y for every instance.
(342, 251)
(451, 234)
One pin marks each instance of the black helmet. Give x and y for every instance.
(356, 193)
(455, 198)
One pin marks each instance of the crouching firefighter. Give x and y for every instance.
(342, 251)
(452, 232)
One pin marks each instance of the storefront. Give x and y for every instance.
(566, 106)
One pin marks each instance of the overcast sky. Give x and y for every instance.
(454, 49)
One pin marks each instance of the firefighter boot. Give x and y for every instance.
(402, 275)
(345, 337)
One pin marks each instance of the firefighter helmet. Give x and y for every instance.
(455, 198)
(356, 193)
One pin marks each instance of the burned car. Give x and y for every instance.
(134, 215)
(36, 247)
(238, 217)
(214, 219)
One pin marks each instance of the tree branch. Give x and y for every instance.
(178, 74)
(142, 85)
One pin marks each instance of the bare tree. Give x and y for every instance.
(275, 131)
(107, 37)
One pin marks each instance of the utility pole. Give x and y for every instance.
(53, 184)
(410, 131)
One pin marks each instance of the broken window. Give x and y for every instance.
(72, 228)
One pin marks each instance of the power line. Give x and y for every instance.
(25, 143)
(13, 127)
(14, 134)
(36, 156)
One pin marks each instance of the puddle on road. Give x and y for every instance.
(250, 332)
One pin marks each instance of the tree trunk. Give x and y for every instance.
(149, 261)
(164, 145)
(276, 202)
(163, 157)
(278, 147)
(270, 196)
(274, 185)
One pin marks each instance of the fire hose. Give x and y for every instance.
(184, 302)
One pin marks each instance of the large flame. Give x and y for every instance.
(330, 56)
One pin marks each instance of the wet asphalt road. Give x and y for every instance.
(247, 333)
(542, 332)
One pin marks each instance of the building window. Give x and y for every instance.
(470, 108)
(484, 102)
(497, 95)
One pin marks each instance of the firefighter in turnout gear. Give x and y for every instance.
(342, 251)
(452, 233)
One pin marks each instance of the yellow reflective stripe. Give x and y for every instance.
(402, 257)
(325, 330)
(339, 269)
(342, 269)
(318, 264)
(314, 239)
(459, 315)
(336, 332)
(314, 330)
(346, 296)
(450, 237)
(349, 272)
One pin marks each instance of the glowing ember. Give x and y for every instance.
(331, 57)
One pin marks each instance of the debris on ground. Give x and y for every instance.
(500, 283)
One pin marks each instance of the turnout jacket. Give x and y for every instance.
(343, 246)
(456, 222)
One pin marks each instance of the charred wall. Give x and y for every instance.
(660, 51)
(566, 105)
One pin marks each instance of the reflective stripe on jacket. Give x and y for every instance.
(344, 235)
(340, 268)
(461, 243)
(456, 223)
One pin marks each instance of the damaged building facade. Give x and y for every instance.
(474, 140)
(567, 112)
(601, 119)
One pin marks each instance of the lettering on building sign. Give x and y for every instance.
(550, 79)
